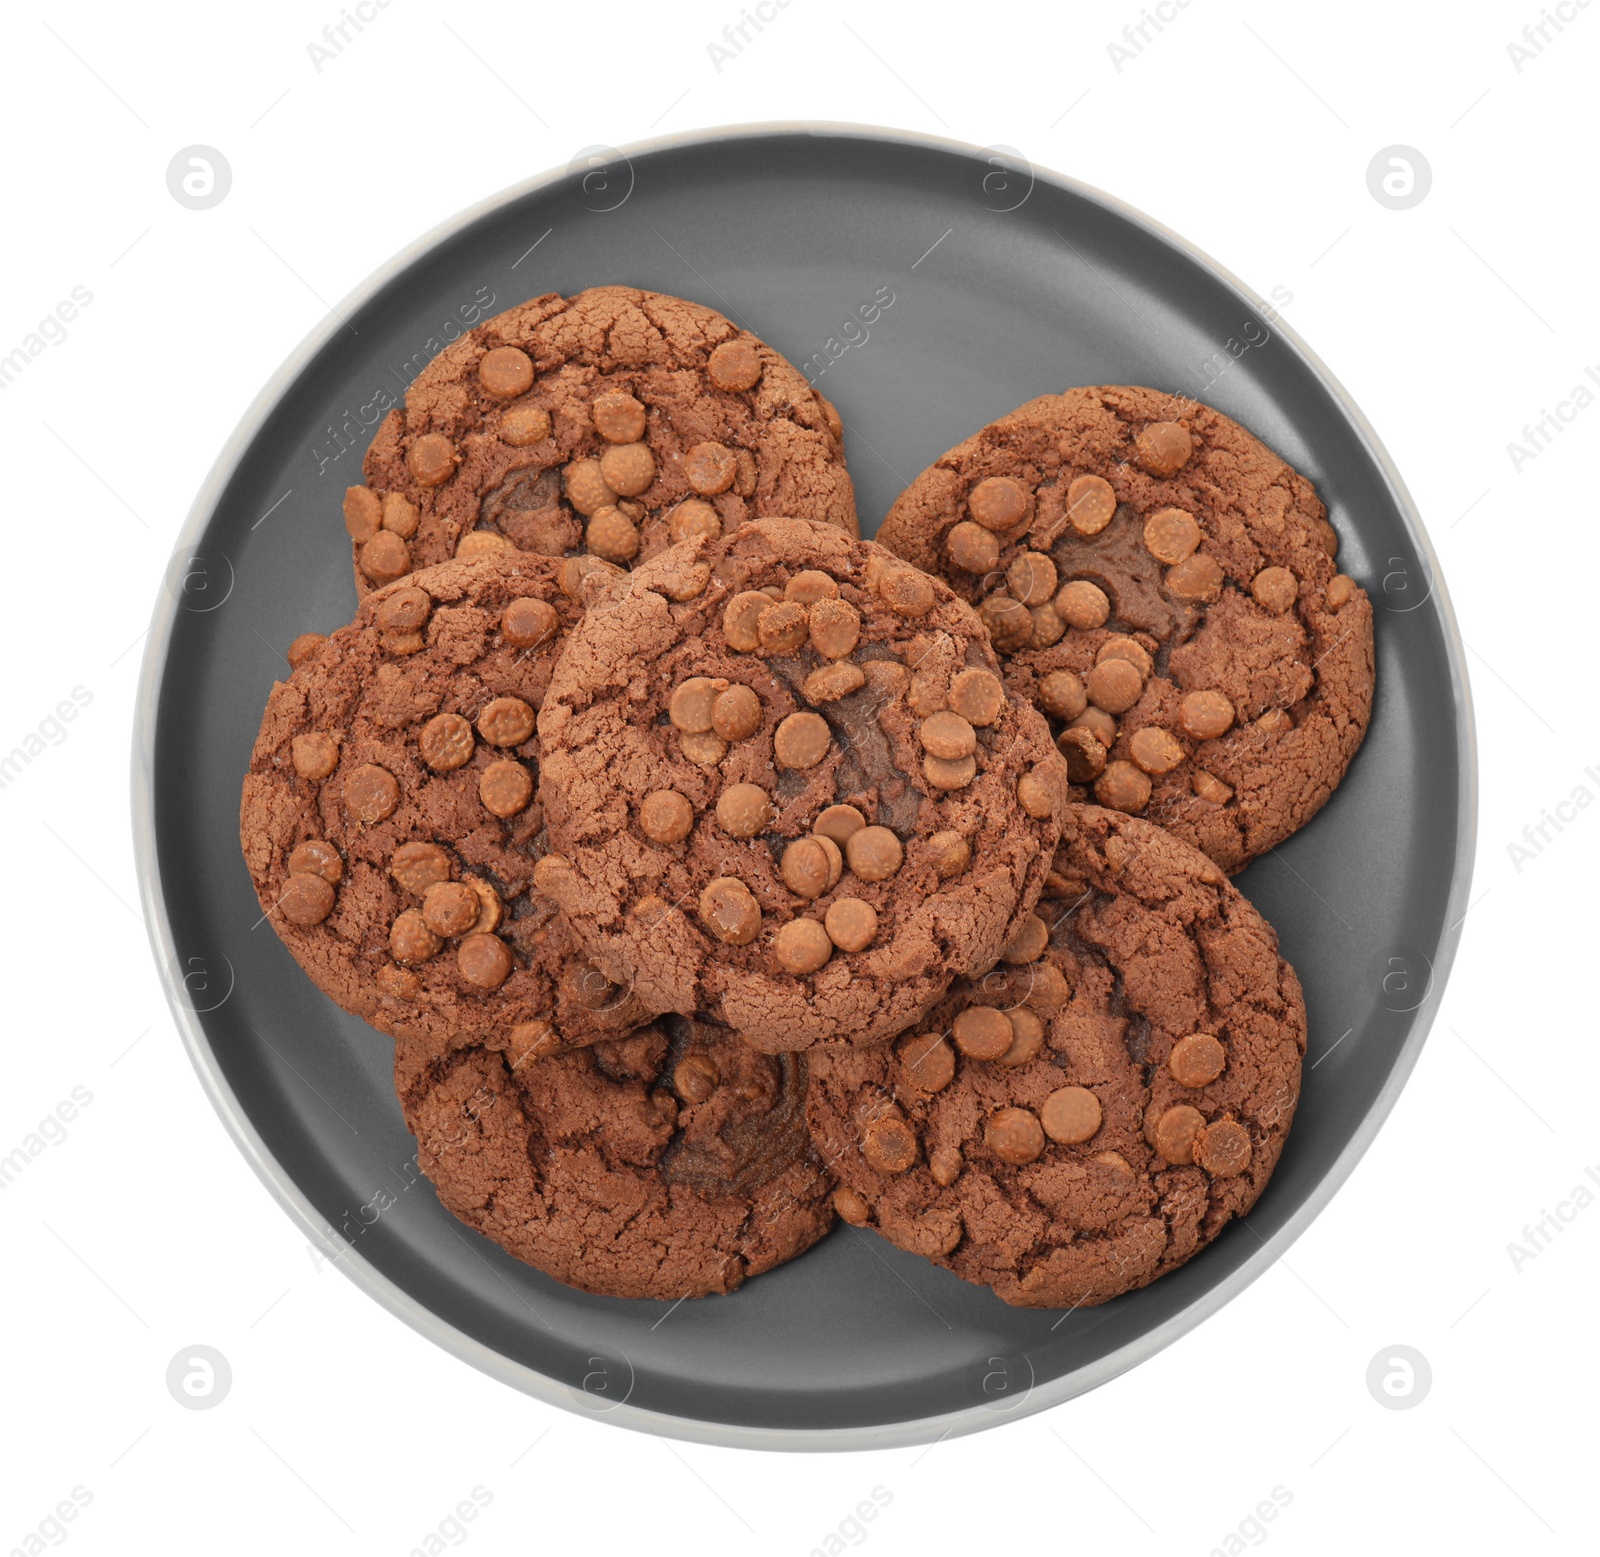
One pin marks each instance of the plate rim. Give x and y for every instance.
(542, 1386)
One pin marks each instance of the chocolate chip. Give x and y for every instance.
(809, 586)
(618, 417)
(972, 547)
(743, 810)
(1071, 1115)
(523, 425)
(828, 683)
(1027, 1038)
(1209, 787)
(805, 867)
(1099, 724)
(446, 742)
(704, 750)
(371, 793)
(851, 1206)
(450, 908)
(1163, 448)
(527, 623)
(1014, 1135)
(306, 899)
(1082, 604)
(1086, 757)
(874, 853)
(401, 515)
(1062, 693)
(801, 946)
(1029, 942)
(1039, 794)
(1048, 628)
(692, 703)
(1327, 536)
(1123, 787)
(1121, 647)
(482, 543)
(403, 610)
(978, 696)
(736, 713)
(695, 1077)
(431, 459)
(628, 468)
(587, 488)
(1276, 589)
(906, 592)
(835, 627)
(363, 513)
(998, 503)
(838, 822)
(490, 908)
(982, 1032)
(1196, 1061)
(303, 647)
(1009, 622)
(927, 1062)
(484, 960)
(315, 756)
(1175, 1133)
(316, 857)
(1340, 589)
(1275, 721)
(889, 1145)
(950, 854)
(709, 468)
(948, 735)
(783, 627)
(1090, 504)
(851, 923)
(1170, 535)
(665, 816)
(741, 618)
(506, 372)
(1223, 1148)
(729, 911)
(801, 741)
(1205, 715)
(1114, 685)
(1196, 578)
(385, 558)
(947, 774)
(417, 866)
(1155, 750)
(735, 365)
(945, 1165)
(410, 939)
(693, 517)
(611, 534)
(505, 788)
(1031, 578)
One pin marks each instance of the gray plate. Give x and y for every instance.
(1006, 282)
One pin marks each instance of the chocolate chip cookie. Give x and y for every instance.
(611, 423)
(669, 1163)
(1094, 1111)
(389, 817)
(1162, 586)
(786, 789)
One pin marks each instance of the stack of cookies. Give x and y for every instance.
(719, 874)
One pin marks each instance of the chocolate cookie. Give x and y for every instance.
(1161, 584)
(787, 789)
(670, 1163)
(610, 423)
(1071, 1127)
(389, 819)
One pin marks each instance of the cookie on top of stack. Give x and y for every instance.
(718, 874)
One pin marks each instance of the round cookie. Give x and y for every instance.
(785, 788)
(669, 1163)
(1162, 585)
(1072, 1127)
(389, 817)
(611, 423)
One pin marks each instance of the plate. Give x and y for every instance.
(926, 287)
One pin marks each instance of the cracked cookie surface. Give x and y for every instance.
(1092, 1113)
(1162, 586)
(670, 1163)
(611, 423)
(785, 787)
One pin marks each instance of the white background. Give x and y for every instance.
(1247, 128)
